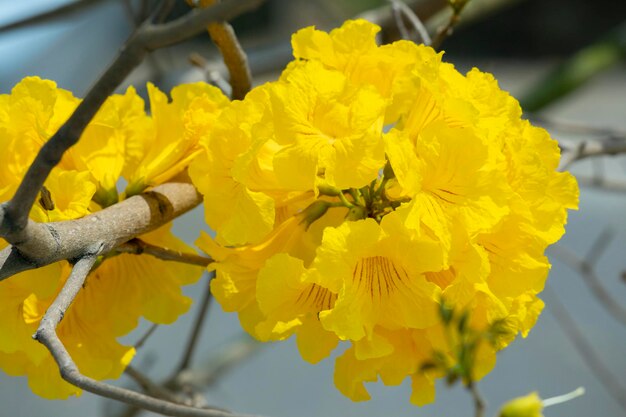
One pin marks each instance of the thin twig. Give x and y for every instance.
(598, 247)
(205, 375)
(400, 9)
(397, 16)
(576, 150)
(196, 379)
(143, 339)
(444, 32)
(194, 22)
(60, 12)
(130, 13)
(211, 73)
(235, 59)
(586, 269)
(573, 127)
(384, 15)
(602, 183)
(46, 334)
(171, 384)
(479, 401)
(150, 388)
(163, 11)
(585, 349)
(196, 328)
(137, 247)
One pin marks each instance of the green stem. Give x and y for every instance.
(345, 201)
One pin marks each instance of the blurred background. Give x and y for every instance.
(564, 59)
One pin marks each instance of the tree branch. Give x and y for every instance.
(455, 18)
(479, 401)
(171, 387)
(194, 22)
(197, 327)
(137, 247)
(224, 37)
(144, 338)
(585, 349)
(585, 266)
(150, 388)
(599, 182)
(52, 242)
(572, 151)
(61, 11)
(208, 373)
(400, 9)
(46, 334)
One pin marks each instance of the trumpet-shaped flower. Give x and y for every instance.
(230, 172)
(122, 288)
(178, 128)
(326, 124)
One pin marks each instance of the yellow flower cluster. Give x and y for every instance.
(120, 142)
(366, 185)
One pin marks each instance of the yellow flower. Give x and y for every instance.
(229, 171)
(123, 288)
(527, 406)
(532, 405)
(449, 193)
(178, 128)
(101, 150)
(352, 50)
(447, 173)
(25, 298)
(235, 285)
(406, 351)
(29, 116)
(379, 279)
(326, 125)
(69, 194)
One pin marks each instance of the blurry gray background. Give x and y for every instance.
(518, 44)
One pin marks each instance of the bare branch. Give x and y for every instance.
(46, 334)
(60, 12)
(585, 349)
(586, 269)
(14, 214)
(162, 11)
(479, 401)
(52, 242)
(150, 388)
(197, 327)
(235, 58)
(207, 374)
(400, 9)
(138, 247)
(188, 382)
(143, 339)
(455, 18)
(397, 17)
(211, 73)
(572, 151)
(170, 385)
(384, 16)
(194, 22)
(606, 184)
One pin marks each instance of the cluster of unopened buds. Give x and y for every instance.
(348, 199)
